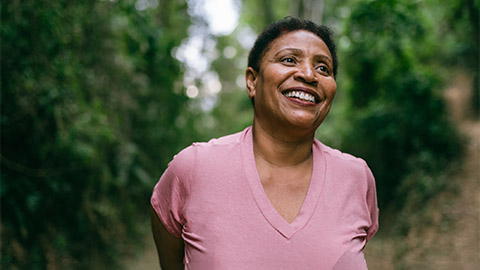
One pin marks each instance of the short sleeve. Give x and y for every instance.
(170, 194)
(371, 203)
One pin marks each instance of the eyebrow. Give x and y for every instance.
(324, 57)
(294, 50)
(298, 51)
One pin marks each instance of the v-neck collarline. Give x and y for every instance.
(266, 207)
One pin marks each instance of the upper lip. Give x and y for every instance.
(304, 89)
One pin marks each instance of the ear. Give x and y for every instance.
(251, 81)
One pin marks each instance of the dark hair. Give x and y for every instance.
(287, 25)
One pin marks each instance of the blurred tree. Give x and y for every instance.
(457, 25)
(88, 122)
(398, 117)
(257, 16)
(307, 9)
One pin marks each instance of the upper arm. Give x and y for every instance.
(170, 248)
(169, 202)
(372, 203)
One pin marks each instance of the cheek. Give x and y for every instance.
(275, 75)
(331, 89)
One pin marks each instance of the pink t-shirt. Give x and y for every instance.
(212, 197)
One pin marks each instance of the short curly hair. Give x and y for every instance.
(287, 25)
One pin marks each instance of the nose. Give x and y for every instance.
(306, 74)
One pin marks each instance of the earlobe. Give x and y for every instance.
(251, 79)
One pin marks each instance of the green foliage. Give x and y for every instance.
(87, 125)
(92, 110)
(397, 114)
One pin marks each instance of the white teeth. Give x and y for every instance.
(301, 95)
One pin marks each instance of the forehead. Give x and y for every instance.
(303, 40)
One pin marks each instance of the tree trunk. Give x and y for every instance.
(307, 9)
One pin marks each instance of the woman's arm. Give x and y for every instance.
(170, 249)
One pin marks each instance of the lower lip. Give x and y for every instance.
(300, 102)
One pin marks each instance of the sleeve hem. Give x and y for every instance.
(154, 204)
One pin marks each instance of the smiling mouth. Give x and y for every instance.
(301, 95)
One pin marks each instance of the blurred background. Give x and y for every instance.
(98, 95)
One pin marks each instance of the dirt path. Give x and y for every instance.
(451, 240)
(148, 260)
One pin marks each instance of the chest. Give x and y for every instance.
(286, 190)
(236, 229)
(232, 220)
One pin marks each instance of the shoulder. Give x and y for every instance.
(336, 155)
(212, 148)
(345, 164)
(221, 141)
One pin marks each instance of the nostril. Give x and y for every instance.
(311, 80)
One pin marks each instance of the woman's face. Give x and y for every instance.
(295, 85)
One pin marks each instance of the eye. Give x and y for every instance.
(288, 60)
(323, 69)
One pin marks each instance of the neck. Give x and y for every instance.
(280, 149)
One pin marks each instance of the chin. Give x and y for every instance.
(304, 121)
(307, 125)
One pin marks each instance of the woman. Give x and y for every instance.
(272, 196)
